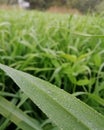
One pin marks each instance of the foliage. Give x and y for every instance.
(3, 1)
(84, 5)
(66, 50)
(100, 7)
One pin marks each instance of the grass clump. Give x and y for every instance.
(66, 50)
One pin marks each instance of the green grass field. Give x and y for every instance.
(65, 50)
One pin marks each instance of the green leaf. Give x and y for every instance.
(84, 56)
(97, 99)
(88, 35)
(69, 57)
(82, 82)
(97, 59)
(11, 112)
(65, 110)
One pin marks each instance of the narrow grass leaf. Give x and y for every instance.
(97, 99)
(14, 114)
(88, 35)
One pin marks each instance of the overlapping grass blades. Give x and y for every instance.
(66, 111)
(66, 50)
(14, 114)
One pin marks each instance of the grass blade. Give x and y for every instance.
(88, 35)
(11, 112)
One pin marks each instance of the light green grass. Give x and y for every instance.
(66, 50)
